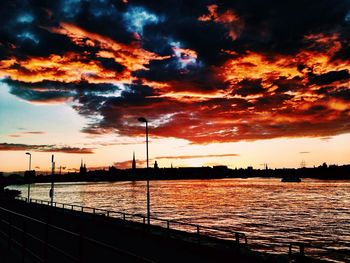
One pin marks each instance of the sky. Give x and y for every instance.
(238, 83)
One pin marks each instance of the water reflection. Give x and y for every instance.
(269, 212)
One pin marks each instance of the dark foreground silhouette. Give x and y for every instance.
(41, 233)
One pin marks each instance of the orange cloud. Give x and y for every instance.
(317, 59)
(67, 68)
(228, 18)
(133, 56)
(74, 67)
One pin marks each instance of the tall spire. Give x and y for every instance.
(82, 167)
(133, 161)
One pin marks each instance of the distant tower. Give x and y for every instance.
(171, 166)
(81, 166)
(156, 165)
(83, 169)
(133, 162)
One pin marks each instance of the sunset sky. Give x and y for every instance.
(240, 83)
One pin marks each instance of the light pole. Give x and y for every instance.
(30, 167)
(52, 178)
(142, 119)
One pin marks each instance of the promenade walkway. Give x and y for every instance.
(97, 238)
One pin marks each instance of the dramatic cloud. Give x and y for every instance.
(43, 148)
(204, 71)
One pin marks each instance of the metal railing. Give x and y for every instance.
(200, 232)
(302, 247)
(44, 243)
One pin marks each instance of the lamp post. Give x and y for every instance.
(52, 178)
(142, 119)
(30, 167)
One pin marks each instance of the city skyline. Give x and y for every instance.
(221, 82)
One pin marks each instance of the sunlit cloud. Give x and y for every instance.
(44, 148)
(136, 18)
(228, 18)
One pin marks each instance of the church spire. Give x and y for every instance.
(133, 161)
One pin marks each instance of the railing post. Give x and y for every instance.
(107, 213)
(168, 227)
(290, 250)
(237, 238)
(198, 235)
(302, 250)
(93, 210)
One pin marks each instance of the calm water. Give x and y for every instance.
(269, 212)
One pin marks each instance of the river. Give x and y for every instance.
(269, 212)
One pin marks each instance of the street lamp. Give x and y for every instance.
(142, 119)
(30, 167)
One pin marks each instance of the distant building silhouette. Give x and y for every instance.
(156, 165)
(220, 167)
(133, 162)
(83, 169)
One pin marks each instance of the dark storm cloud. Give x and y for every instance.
(329, 77)
(342, 93)
(280, 26)
(249, 87)
(37, 96)
(51, 91)
(59, 86)
(114, 110)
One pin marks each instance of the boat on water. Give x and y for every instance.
(291, 179)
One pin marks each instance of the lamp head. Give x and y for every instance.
(142, 119)
(29, 153)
